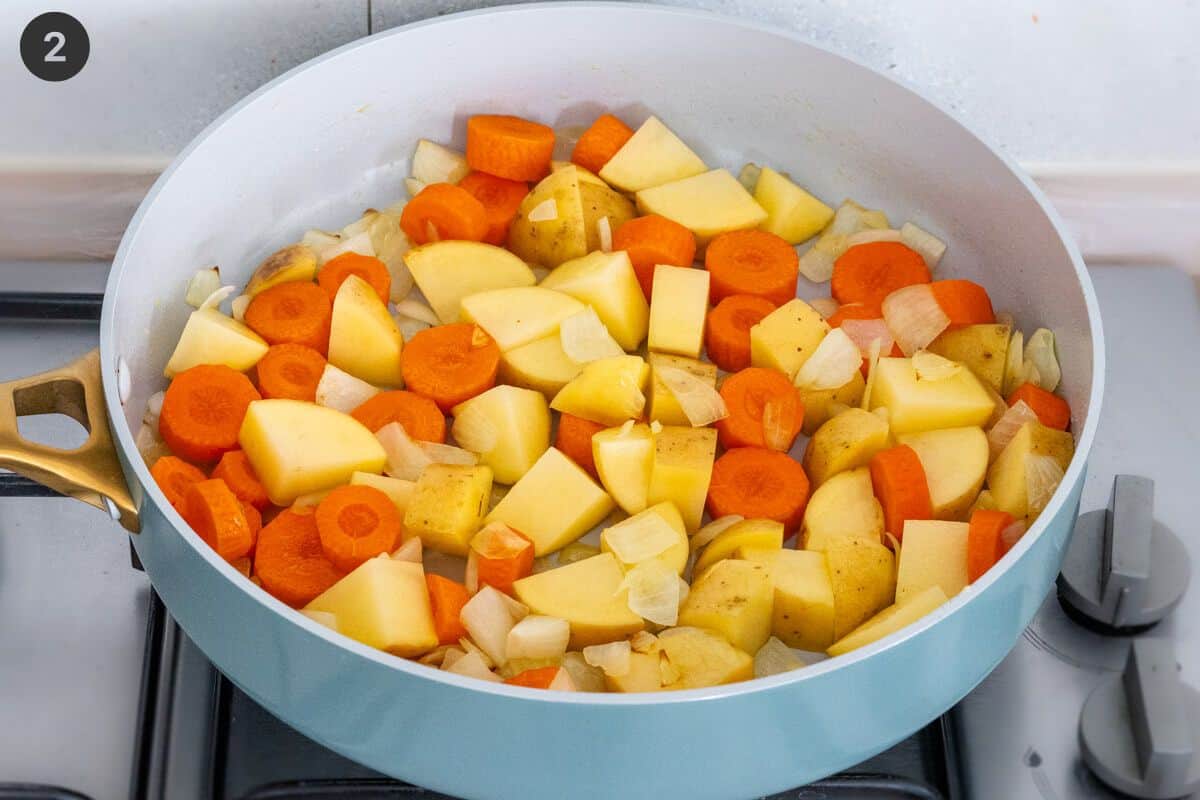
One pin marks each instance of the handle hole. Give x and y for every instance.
(53, 414)
(53, 430)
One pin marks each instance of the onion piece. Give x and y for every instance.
(545, 211)
(748, 176)
(576, 551)
(643, 642)
(1014, 364)
(712, 530)
(451, 655)
(153, 411)
(389, 243)
(868, 389)
(438, 655)
(474, 430)
(640, 538)
(825, 306)
(516, 608)
(150, 445)
(342, 391)
(925, 243)
(488, 620)
(563, 682)
(816, 263)
(413, 186)
(850, 218)
(832, 364)
(653, 592)
(775, 657)
(406, 459)
(1039, 350)
(1013, 533)
(585, 339)
(538, 636)
(439, 453)
(435, 163)
(239, 305)
(359, 243)
(932, 367)
(319, 241)
(1007, 427)
(1043, 474)
(604, 233)
(914, 317)
(585, 677)
(473, 666)
(779, 422)
(411, 550)
(417, 310)
(864, 331)
(614, 657)
(872, 235)
(217, 297)
(326, 618)
(701, 403)
(203, 283)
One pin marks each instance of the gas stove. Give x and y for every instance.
(103, 696)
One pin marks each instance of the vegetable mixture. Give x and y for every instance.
(478, 428)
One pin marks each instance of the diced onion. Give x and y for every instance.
(452, 654)
(925, 243)
(342, 391)
(816, 263)
(1013, 533)
(359, 243)
(775, 657)
(518, 609)
(150, 445)
(613, 657)
(417, 310)
(701, 403)
(154, 406)
(576, 551)
(217, 297)
(653, 592)
(585, 677)
(202, 284)
(825, 306)
(239, 305)
(1008, 425)
(439, 453)
(832, 364)
(604, 233)
(413, 186)
(712, 530)
(872, 235)
(409, 326)
(864, 331)
(563, 682)
(640, 538)
(1043, 474)
(872, 369)
(668, 673)
(1040, 351)
(438, 655)
(1014, 364)
(488, 620)
(914, 316)
(748, 176)
(545, 211)
(411, 550)
(643, 642)
(435, 163)
(585, 339)
(474, 429)
(326, 618)
(406, 459)
(319, 241)
(538, 636)
(851, 218)
(779, 416)
(390, 244)
(472, 666)
(466, 644)
(932, 367)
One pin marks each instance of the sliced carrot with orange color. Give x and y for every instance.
(727, 329)
(446, 600)
(235, 469)
(652, 240)
(443, 211)
(965, 302)
(901, 487)
(216, 515)
(501, 198)
(509, 147)
(574, 439)
(369, 268)
(867, 273)
(450, 363)
(752, 262)
(297, 311)
(600, 142)
(420, 416)
(356, 523)
(289, 560)
(501, 556)
(757, 397)
(984, 545)
(174, 475)
(254, 520)
(536, 678)
(854, 311)
(202, 411)
(290, 372)
(1052, 411)
(759, 483)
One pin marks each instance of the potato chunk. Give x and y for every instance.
(549, 227)
(518, 316)
(749, 534)
(707, 204)
(448, 505)
(683, 461)
(955, 461)
(863, 577)
(210, 337)
(363, 338)
(933, 553)
(822, 405)
(890, 620)
(654, 155)
(845, 442)
(606, 282)
(1007, 478)
(787, 337)
(446, 272)
(664, 407)
(802, 615)
(541, 365)
(624, 459)
(383, 604)
(792, 213)
(924, 405)
(509, 428)
(678, 309)
(608, 391)
(587, 594)
(844, 507)
(704, 659)
(734, 598)
(982, 348)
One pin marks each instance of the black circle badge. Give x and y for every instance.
(55, 46)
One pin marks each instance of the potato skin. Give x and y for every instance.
(982, 348)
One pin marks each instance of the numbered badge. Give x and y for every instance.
(55, 46)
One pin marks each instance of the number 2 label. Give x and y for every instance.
(53, 55)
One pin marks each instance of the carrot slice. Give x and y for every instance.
(752, 262)
(254, 520)
(450, 363)
(290, 371)
(357, 523)
(420, 416)
(899, 482)
(289, 559)
(727, 329)
(174, 475)
(297, 311)
(984, 545)
(501, 556)
(235, 469)
(537, 678)
(369, 268)
(444, 211)
(652, 240)
(509, 147)
(202, 411)
(574, 439)
(446, 599)
(867, 273)
(759, 483)
(1052, 411)
(501, 198)
(216, 515)
(854, 311)
(600, 142)
(965, 302)
(747, 395)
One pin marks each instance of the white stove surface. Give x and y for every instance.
(73, 611)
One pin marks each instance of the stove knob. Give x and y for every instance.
(1140, 731)
(1124, 571)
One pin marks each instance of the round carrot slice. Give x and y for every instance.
(202, 411)
(216, 515)
(420, 416)
(235, 469)
(600, 142)
(509, 147)
(444, 211)
(174, 475)
(289, 560)
(501, 198)
(652, 240)
(291, 372)
(867, 273)
(450, 363)
(727, 329)
(759, 483)
(752, 262)
(297, 311)
(357, 523)
(370, 269)
(756, 397)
